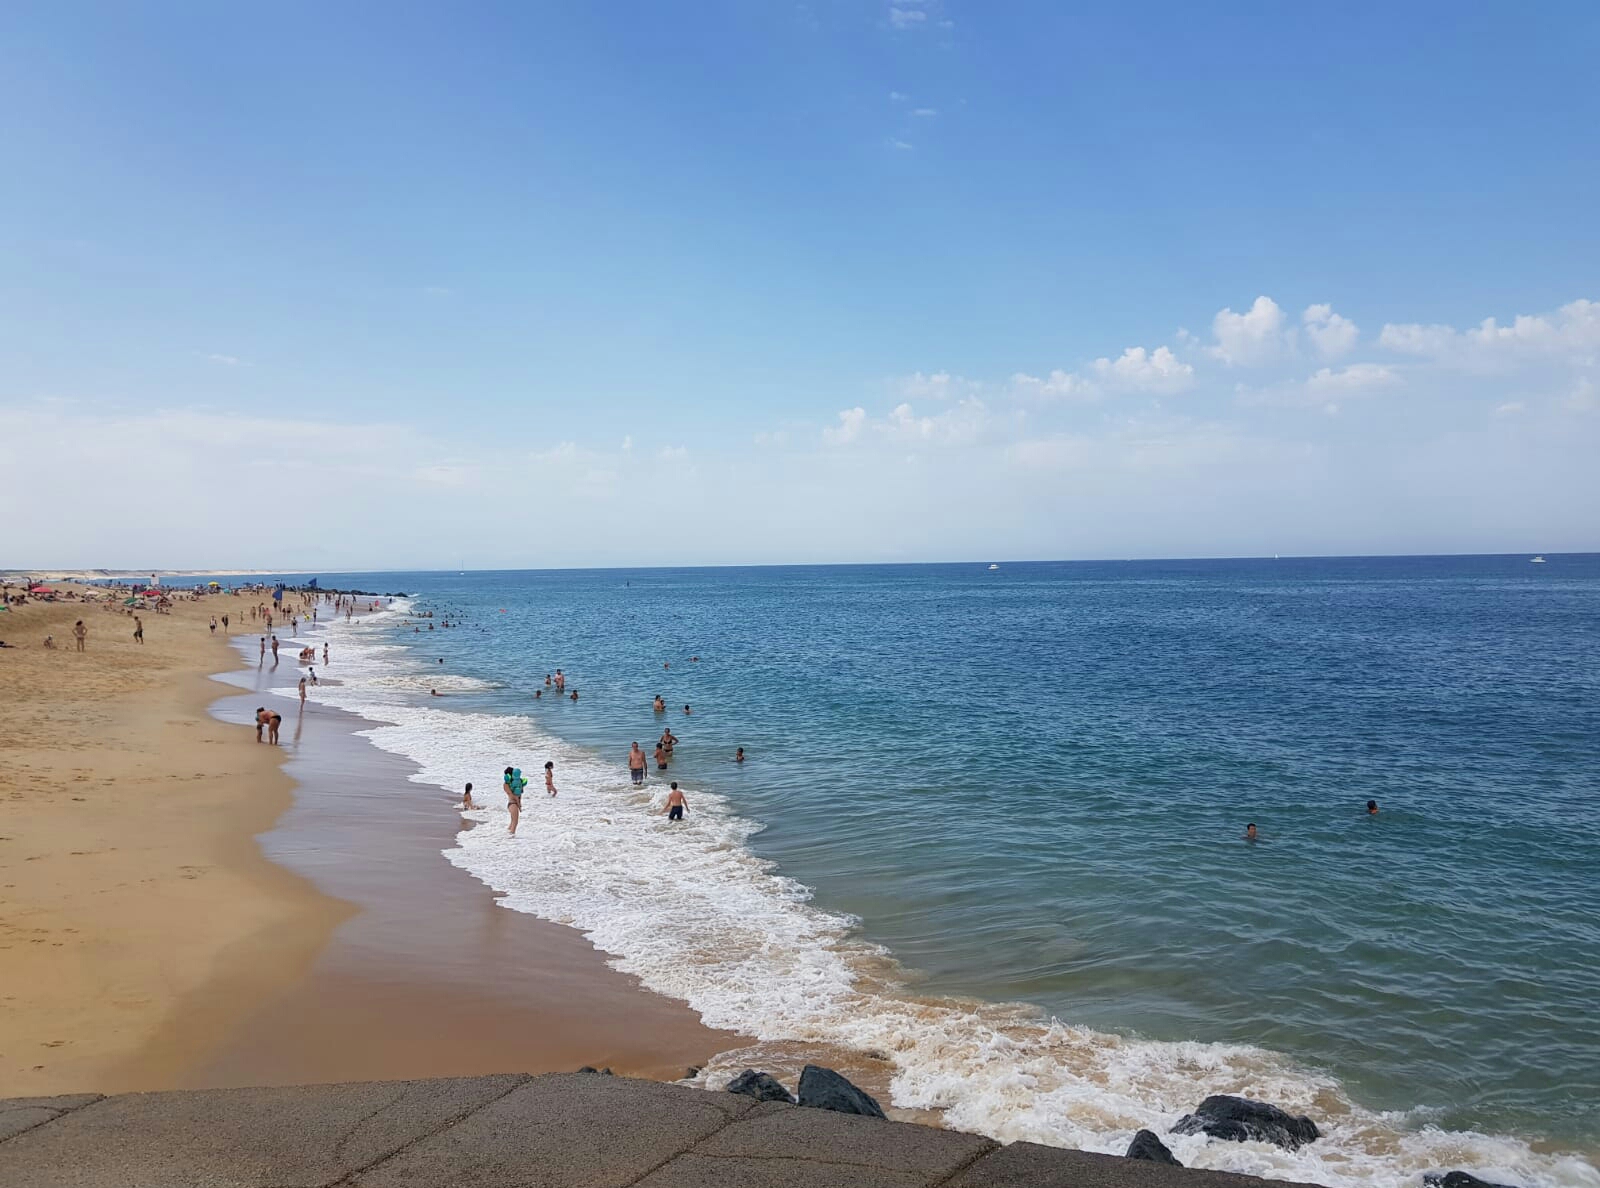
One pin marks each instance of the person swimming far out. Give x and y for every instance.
(738, 756)
(659, 705)
(1250, 832)
(1372, 808)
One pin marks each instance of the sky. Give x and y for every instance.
(404, 285)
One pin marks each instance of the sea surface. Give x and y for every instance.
(989, 834)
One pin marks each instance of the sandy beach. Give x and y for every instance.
(150, 941)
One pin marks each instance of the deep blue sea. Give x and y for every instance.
(969, 787)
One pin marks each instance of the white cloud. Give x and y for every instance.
(1510, 408)
(1358, 377)
(900, 144)
(1154, 371)
(673, 454)
(226, 360)
(1058, 385)
(1254, 337)
(906, 18)
(1333, 336)
(898, 96)
(849, 427)
(963, 424)
(940, 386)
(926, 112)
(1568, 336)
(1584, 397)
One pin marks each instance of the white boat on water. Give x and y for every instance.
(997, 567)
(1537, 561)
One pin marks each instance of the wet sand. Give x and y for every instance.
(430, 977)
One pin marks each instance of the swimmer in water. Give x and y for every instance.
(661, 757)
(1372, 808)
(658, 705)
(687, 710)
(466, 798)
(738, 756)
(636, 764)
(1250, 832)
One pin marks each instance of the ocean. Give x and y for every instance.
(987, 845)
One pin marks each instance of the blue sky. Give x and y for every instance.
(539, 284)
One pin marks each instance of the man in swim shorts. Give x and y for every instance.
(676, 803)
(661, 758)
(636, 764)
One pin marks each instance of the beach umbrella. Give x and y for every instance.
(41, 590)
(130, 602)
(215, 585)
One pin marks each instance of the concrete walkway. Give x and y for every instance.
(573, 1130)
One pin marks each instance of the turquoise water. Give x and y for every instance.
(1031, 785)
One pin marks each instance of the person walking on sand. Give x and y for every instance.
(80, 633)
(677, 803)
(213, 624)
(302, 694)
(514, 785)
(636, 764)
(550, 777)
(138, 630)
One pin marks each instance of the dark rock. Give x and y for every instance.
(589, 1068)
(1458, 1179)
(1239, 1120)
(759, 1086)
(824, 1089)
(691, 1072)
(606, 1072)
(1147, 1146)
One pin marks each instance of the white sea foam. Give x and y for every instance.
(695, 915)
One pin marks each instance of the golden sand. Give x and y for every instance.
(138, 920)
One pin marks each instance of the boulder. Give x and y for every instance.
(1458, 1179)
(1147, 1146)
(824, 1089)
(1239, 1120)
(759, 1086)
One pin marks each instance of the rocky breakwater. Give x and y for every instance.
(1221, 1117)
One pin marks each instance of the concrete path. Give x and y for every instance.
(573, 1130)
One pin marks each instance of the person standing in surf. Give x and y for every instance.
(636, 764)
(514, 785)
(550, 775)
(677, 803)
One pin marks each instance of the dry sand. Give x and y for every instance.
(146, 942)
(131, 887)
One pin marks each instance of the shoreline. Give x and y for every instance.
(157, 937)
(141, 920)
(428, 954)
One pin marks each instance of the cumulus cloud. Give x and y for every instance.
(1333, 336)
(1058, 385)
(851, 421)
(906, 18)
(1358, 377)
(1569, 336)
(939, 385)
(926, 112)
(900, 144)
(1251, 338)
(1146, 371)
(226, 360)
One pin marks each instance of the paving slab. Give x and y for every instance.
(564, 1130)
(305, 1137)
(24, 1113)
(698, 1171)
(775, 1130)
(1029, 1165)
